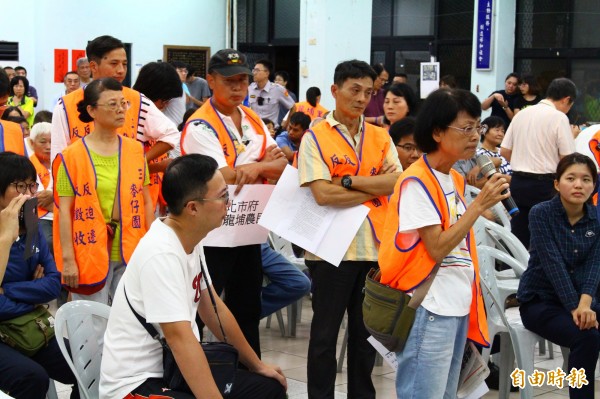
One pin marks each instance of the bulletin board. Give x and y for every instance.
(195, 56)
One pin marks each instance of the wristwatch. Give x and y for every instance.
(347, 181)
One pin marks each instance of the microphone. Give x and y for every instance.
(487, 169)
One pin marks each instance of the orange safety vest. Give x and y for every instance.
(11, 138)
(406, 268)
(313, 112)
(595, 148)
(90, 239)
(79, 129)
(208, 115)
(44, 175)
(155, 178)
(342, 159)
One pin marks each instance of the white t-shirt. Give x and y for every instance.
(450, 292)
(201, 139)
(164, 284)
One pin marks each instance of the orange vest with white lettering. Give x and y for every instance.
(595, 148)
(90, 238)
(406, 268)
(11, 138)
(313, 112)
(342, 159)
(207, 114)
(79, 129)
(44, 175)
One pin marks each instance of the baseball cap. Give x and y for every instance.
(229, 62)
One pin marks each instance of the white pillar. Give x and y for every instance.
(503, 49)
(331, 32)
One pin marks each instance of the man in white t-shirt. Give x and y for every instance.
(246, 154)
(165, 285)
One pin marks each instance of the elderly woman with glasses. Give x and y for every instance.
(24, 284)
(104, 206)
(428, 225)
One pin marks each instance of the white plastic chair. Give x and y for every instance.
(516, 341)
(498, 209)
(85, 323)
(506, 241)
(487, 271)
(51, 394)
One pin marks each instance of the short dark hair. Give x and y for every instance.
(158, 81)
(16, 119)
(300, 118)
(402, 128)
(439, 110)
(266, 63)
(15, 81)
(449, 80)
(577, 158)
(70, 73)
(534, 87)
(8, 110)
(191, 70)
(20, 68)
(4, 82)
(42, 116)
(560, 88)
(492, 122)
(378, 68)
(14, 168)
(100, 46)
(185, 179)
(352, 69)
(284, 75)
(404, 90)
(179, 64)
(91, 94)
(512, 75)
(311, 95)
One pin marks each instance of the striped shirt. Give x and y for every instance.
(311, 167)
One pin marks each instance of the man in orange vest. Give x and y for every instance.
(246, 154)
(143, 121)
(11, 134)
(346, 162)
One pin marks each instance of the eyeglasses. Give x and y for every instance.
(255, 70)
(384, 81)
(481, 129)
(408, 147)
(22, 187)
(260, 101)
(114, 106)
(224, 198)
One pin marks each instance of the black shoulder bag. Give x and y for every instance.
(222, 357)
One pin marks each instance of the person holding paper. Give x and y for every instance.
(428, 223)
(346, 162)
(246, 154)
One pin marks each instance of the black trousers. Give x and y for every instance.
(25, 377)
(238, 271)
(553, 322)
(335, 290)
(247, 385)
(527, 192)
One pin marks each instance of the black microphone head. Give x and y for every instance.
(485, 165)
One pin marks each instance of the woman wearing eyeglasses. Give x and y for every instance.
(24, 284)
(104, 206)
(429, 224)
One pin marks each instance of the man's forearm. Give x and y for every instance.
(158, 149)
(376, 185)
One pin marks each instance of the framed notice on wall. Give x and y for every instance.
(195, 56)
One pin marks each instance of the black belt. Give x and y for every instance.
(536, 176)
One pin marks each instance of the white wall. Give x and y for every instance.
(331, 32)
(503, 45)
(146, 24)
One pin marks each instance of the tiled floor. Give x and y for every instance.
(290, 355)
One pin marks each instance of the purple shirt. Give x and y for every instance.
(375, 107)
